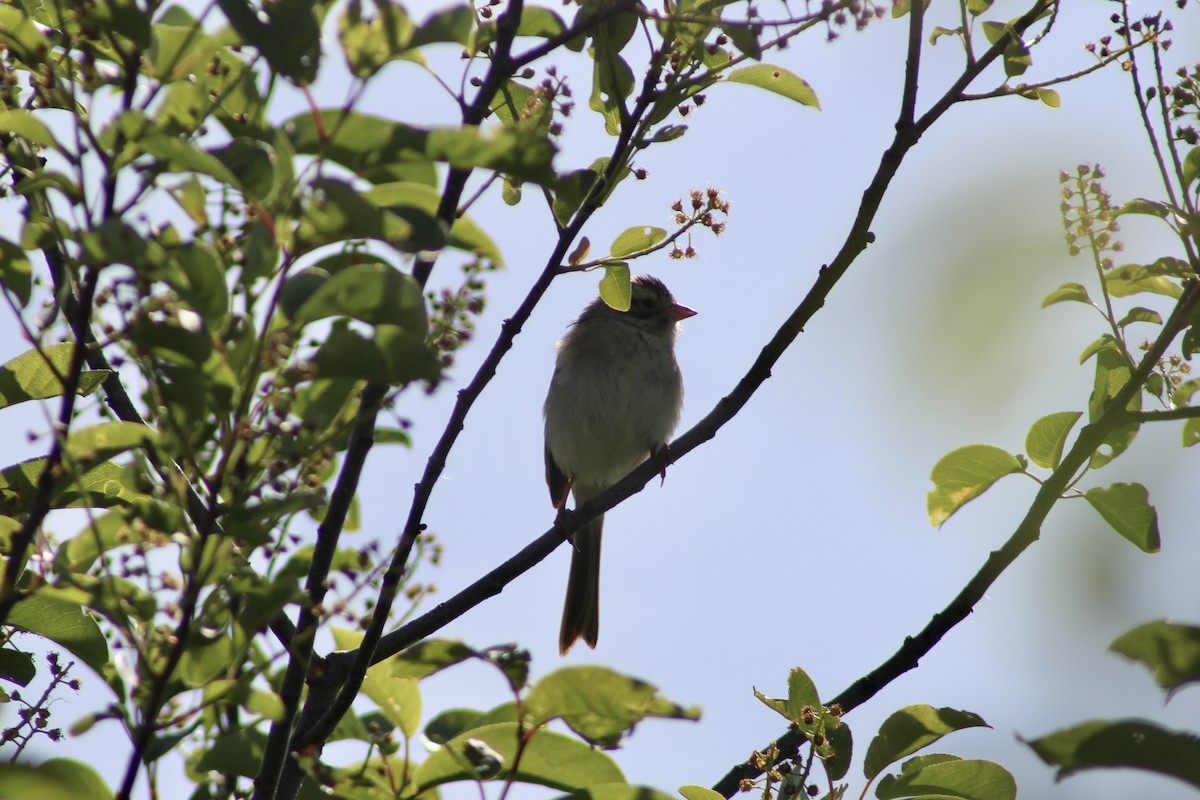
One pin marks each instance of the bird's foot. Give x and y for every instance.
(663, 455)
(562, 523)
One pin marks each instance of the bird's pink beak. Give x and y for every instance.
(678, 312)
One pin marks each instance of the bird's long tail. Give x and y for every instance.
(581, 611)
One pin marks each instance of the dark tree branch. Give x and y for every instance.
(362, 438)
(48, 480)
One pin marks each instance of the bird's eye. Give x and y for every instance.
(647, 302)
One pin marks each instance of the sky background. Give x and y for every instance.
(799, 536)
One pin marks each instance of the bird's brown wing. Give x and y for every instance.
(559, 483)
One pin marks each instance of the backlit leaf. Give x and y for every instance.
(964, 474)
(1126, 506)
(776, 79)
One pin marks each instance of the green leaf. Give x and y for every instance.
(939, 32)
(838, 750)
(1191, 432)
(206, 659)
(1105, 342)
(977, 7)
(693, 792)
(1122, 743)
(942, 776)
(1113, 372)
(235, 753)
(16, 273)
(802, 694)
(56, 779)
(1152, 208)
(369, 44)
(636, 240)
(200, 281)
(621, 791)
(964, 474)
(374, 293)
(24, 124)
(106, 440)
(1139, 314)
(464, 234)
(253, 162)
(1017, 58)
(395, 355)
(16, 666)
(1068, 291)
(912, 728)
(776, 79)
(1052, 99)
(1170, 650)
(452, 25)
(615, 287)
(450, 723)
(1126, 506)
(1191, 166)
(430, 656)
(22, 37)
(1156, 278)
(612, 79)
(597, 703)
(286, 32)
(335, 211)
(65, 624)
(1045, 440)
(540, 22)
(104, 485)
(31, 375)
(299, 287)
(548, 759)
(901, 8)
(573, 187)
(744, 39)
(802, 699)
(379, 150)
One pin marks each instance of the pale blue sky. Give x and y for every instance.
(798, 537)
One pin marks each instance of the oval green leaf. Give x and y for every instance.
(1170, 650)
(636, 240)
(549, 759)
(1191, 166)
(1122, 743)
(33, 375)
(693, 792)
(802, 692)
(964, 474)
(24, 124)
(615, 288)
(777, 79)
(374, 293)
(948, 776)
(56, 779)
(1126, 507)
(65, 624)
(597, 703)
(1044, 443)
(1139, 314)
(1068, 291)
(911, 729)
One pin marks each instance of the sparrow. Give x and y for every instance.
(614, 401)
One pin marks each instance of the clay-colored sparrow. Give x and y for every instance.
(614, 401)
